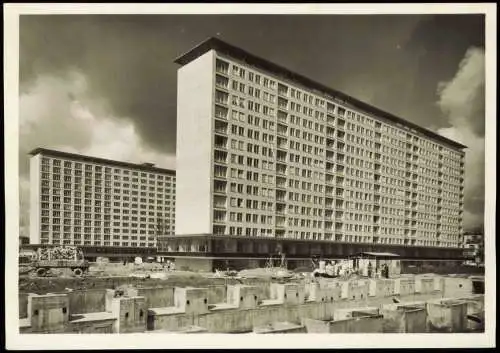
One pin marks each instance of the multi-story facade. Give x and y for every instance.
(267, 158)
(87, 201)
(473, 244)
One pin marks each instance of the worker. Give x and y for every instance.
(329, 269)
(369, 270)
(385, 272)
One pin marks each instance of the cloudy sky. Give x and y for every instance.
(106, 85)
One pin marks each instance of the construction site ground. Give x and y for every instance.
(114, 275)
(102, 276)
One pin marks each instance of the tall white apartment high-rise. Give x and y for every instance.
(263, 152)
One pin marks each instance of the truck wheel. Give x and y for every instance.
(40, 272)
(77, 271)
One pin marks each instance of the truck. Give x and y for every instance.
(69, 257)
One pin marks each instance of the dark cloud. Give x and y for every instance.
(129, 59)
(393, 62)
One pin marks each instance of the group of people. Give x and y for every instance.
(345, 268)
(380, 272)
(169, 265)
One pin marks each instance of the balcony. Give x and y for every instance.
(220, 156)
(222, 67)
(282, 142)
(220, 127)
(282, 90)
(280, 208)
(220, 141)
(220, 204)
(221, 97)
(281, 169)
(221, 81)
(330, 156)
(282, 130)
(281, 182)
(221, 112)
(220, 186)
(330, 132)
(282, 116)
(282, 103)
(219, 216)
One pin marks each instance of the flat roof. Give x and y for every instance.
(238, 53)
(141, 166)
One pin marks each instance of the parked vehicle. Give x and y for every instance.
(70, 257)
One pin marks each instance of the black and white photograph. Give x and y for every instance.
(268, 169)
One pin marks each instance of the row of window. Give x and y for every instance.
(355, 116)
(99, 168)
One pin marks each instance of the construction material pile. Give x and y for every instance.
(60, 253)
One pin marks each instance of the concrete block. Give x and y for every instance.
(87, 301)
(280, 327)
(191, 300)
(170, 319)
(333, 292)
(186, 329)
(455, 287)
(475, 308)
(404, 286)
(48, 313)
(357, 289)
(130, 313)
(242, 296)
(288, 293)
(381, 288)
(446, 316)
(23, 305)
(347, 313)
(103, 322)
(323, 293)
(438, 284)
(156, 297)
(424, 285)
(216, 294)
(361, 324)
(316, 293)
(400, 318)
